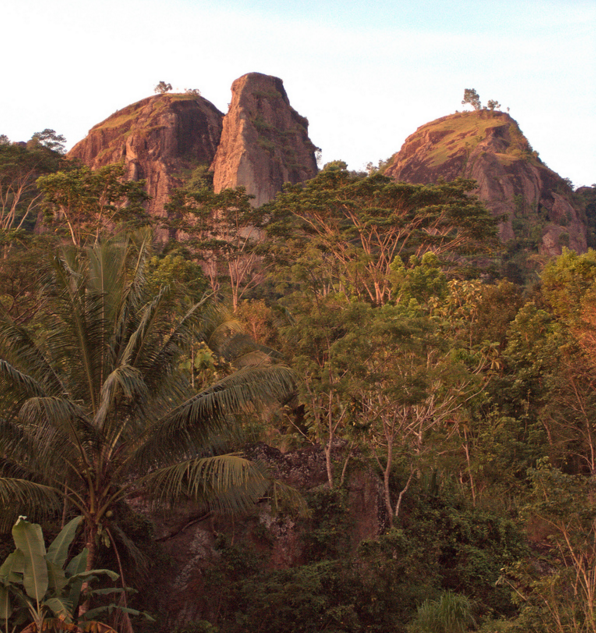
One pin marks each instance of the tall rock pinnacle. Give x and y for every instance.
(264, 142)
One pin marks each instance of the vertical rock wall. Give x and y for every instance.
(264, 142)
(160, 139)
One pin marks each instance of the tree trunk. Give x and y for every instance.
(329, 464)
(91, 555)
(386, 480)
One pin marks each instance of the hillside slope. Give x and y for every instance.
(512, 180)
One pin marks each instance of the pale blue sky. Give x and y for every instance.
(366, 76)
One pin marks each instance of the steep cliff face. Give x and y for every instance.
(264, 142)
(512, 181)
(161, 139)
(188, 536)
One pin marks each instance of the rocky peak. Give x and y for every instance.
(161, 139)
(512, 180)
(264, 142)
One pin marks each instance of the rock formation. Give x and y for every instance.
(512, 180)
(187, 535)
(162, 139)
(265, 142)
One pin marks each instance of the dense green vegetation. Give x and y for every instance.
(355, 315)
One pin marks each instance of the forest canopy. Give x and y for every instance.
(354, 319)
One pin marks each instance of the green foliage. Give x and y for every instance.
(23, 274)
(586, 197)
(557, 590)
(200, 178)
(412, 368)
(162, 87)
(103, 408)
(339, 595)
(178, 273)
(50, 140)
(223, 231)
(20, 198)
(451, 613)
(566, 280)
(471, 97)
(266, 144)
(327, 534)
(39, 586)
(343, 232)
(423, 281)
(83, 203)
(519, 146)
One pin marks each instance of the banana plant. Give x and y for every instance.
(38, 586)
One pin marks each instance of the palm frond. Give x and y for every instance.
(286, 498)
(42, 453)
(19, 380)
(37, 409)
(139, 336)
(126, 380)
(18, 346)
(228, 483)
(221, 327)
(23, 497)
(82, 340)
(162, 359)
(59, 430)
(252, 358)
(192, 423)
(141, 561)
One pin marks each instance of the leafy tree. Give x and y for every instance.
(565, 282)
(471, 97)
(402, 387)
(20, 197)
(568, 405)
(162, 87)
(559, 594)
(344, 232)
(96, 406)
(84, 202)
(22, 275)
(223, 231)
(384, 387)
(493, 105)
(311, 339)
(49, 139)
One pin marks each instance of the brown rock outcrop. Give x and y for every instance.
(512, 180)
(160, 139)
(264, 142)
(188, 536)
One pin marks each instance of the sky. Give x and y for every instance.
(365, 74)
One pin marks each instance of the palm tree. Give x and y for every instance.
(97, 406)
